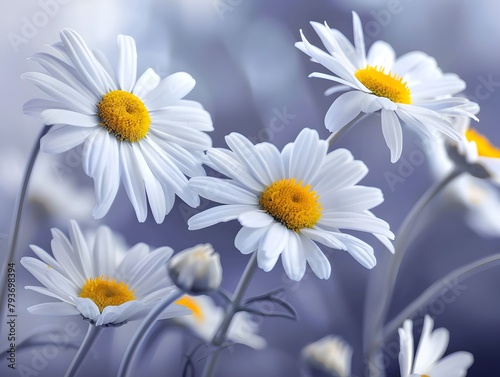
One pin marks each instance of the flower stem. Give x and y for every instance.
(336, 135)
(142, 331)
(231, 310)
(403, 239)
(21, 198)
(87, 343)
(439, 288)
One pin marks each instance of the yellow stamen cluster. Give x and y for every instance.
(105, 292)
(191, 304)
(290, 203)
(124, 115)
(484, 147)
(383, 84)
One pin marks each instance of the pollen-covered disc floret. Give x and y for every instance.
(124, 115)
(388, 85)
(292, 204)
(138, 131)
(411, 88)
(288, 201)
(106, 292)
(99, 279)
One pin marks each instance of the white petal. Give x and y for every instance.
(87, 308)
(356, 221)
(104, 252)
(317, 260)
(353, 199)
(393, 134)
(381, 54)
(343, 110)
(406, 348)
(222, 191)
(132, 178)
(217, 215)
(62, 139)
(327, 238)
(148, 81)
(307, 156)
(72, 118)
(35, 106)
(272, 244)
(255, 219)
(171, 89)
(455, 364)
(54, 308)
(247, 240)
(81, 248)
(359, 40)
(359, 250)
(293, 259)
(127, 63)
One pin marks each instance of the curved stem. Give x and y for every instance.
(87, 343)
(231, 310)
(335, 136)
(142, 331)
(403, 238)
(439, 288)
(21, 198)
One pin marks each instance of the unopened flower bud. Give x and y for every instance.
(329, 356)
(196, 270)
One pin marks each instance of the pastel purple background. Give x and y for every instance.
(248, 71)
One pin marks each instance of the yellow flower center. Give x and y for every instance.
(105, 292)
(425, 375)
(484, 147)
(290, 203)
(191, 304)
(388, 85)
(124, 115)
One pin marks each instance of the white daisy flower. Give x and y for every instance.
(137, 130)
(286, 201)
(330, 356)
(411, 88)
(207, 317)
(431, 348)
(94, 280)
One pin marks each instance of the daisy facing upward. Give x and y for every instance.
(411, 88)
(286, 201)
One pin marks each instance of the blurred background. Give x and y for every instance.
(252, 80)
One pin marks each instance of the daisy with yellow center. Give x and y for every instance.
(411, 88)
(287, 201)
(429, 360)
(99, 282)
(206, 319)
(139, 131)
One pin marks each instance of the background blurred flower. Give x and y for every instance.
(329, 356)
(206, 318)
(139, 131)
(91, 281)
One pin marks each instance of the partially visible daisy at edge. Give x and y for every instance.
(480, 197)
(286, 201)
(137, 130)
(97, 281)
(429, 360)
(411, 88)
(330, 356)
(207, 317)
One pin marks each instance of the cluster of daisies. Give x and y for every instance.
(140, 132)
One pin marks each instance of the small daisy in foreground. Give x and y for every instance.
(207, 317)
(137, 130)
(431, 348)
(330, 356)
(411, 88)
(286, 201)
(97, 281)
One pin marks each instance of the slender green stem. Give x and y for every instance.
(335, 136)
(403, 239)
(439, 288)
(87, 343)
(143, 330)
(21, 199)
(231, 310)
